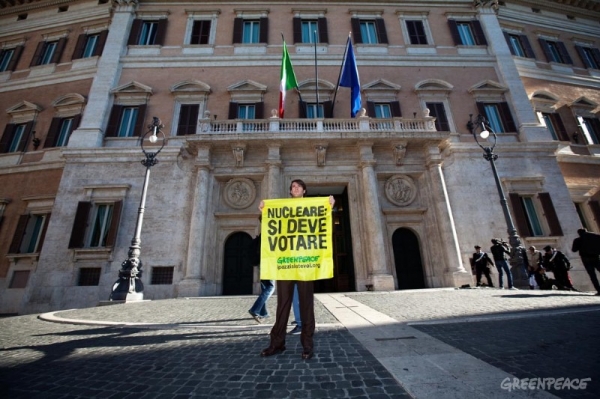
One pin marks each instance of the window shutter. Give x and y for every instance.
(161, 31)
(481, 109)
(297, 24)
(37, 56)
(595, 55)
(561, 131)
(507, 120)
(527, 46)
(381, 32)
(60, 46)
(371, 109)
(111, 237)
(52, 133)
(323, 34)
(113, 121)
(355, 24)
(233, 110)
(546, 49)
(395, 108)
(551, 217)
(101, 42)
(479, 35)
(25, 137)
(595, 207)
(15, 245)
(519, 215)
(6, 137)
(43, 235)
(80, 225)
(264, 30)
(259, 110)
(139, 123)
(238, 30)
(328, 109)
(301, 109)
(188, 119)
(12, 65)
(454, 32)
(134, 35)
(79, 46)
(564, 54)
(438, 111)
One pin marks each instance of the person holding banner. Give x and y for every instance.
(296, 250)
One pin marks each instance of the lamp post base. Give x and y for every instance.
(129, 287)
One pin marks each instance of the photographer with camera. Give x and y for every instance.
(501, 252)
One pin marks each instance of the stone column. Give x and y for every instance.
(379, 274)
(91, 130)
(522, 110)
(273, 163)
(454, 270)
(193, 278)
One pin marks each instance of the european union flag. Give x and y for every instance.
(350, 79)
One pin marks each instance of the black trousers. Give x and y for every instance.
(479, 270)
(591, 265)
(285, 293)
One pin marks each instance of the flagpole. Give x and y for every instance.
(316, 77)
(340, 75)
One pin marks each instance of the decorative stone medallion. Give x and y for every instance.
(240, 193)
(400, 190)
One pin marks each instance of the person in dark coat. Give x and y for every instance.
(557, 263)
(588, 246)
(481, 260)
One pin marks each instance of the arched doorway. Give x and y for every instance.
(237, 270)
(407, 258)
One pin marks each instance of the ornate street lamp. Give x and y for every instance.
(517, 249)
(129, 286)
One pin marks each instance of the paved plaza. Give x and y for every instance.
(437, 343)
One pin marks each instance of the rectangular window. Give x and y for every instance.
(309, 27)
(246, 111)
(589, 56)
(467, 33)
(498, 116)
(382, 110)
(555, 51)
(533, 221)
(128, 121)
(90, 46)
(66, 127)
(95, 224)
(18, 136)
(312, 111)
(554, 124)
(148, 33)
(200, 32)
(590, 127)
(416, 32)
(162, 276)
(6, 57)
(251, 32)
(29, 235)
(60, 131)
(101, 222)
(188, 119)
(516, 45)
(48, 53)
(438, 111)
(89, 276)
(581, 214)
(368, 32)
(19, 279)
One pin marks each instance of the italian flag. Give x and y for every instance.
(287, 79)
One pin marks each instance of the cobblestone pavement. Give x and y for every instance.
(208, 347)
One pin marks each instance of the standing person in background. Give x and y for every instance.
(588, 246)
(285, 293)
(500, 253)
(534, 262)
(259, 310)
(481, 260)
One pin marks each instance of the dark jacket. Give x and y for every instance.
(481, 260)
(255, 251)
(500, 251)
(588, 245)
(556, 260)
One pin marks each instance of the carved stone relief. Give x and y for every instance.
(400, 190)
(239, 193)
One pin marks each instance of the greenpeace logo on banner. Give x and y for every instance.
(296, 242)
(549, 383)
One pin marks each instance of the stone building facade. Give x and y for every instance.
(82, 80)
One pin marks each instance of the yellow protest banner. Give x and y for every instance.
(296, 239)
